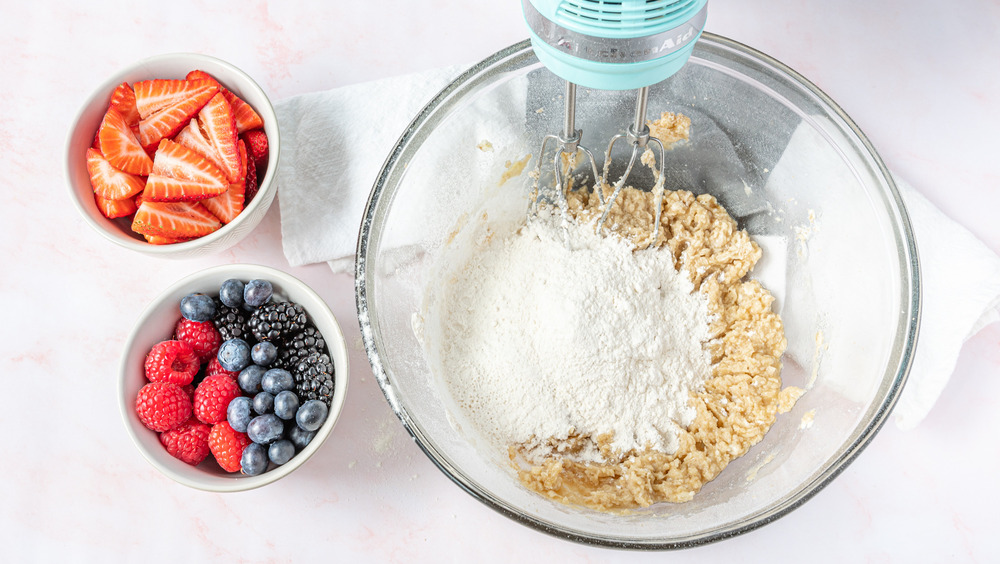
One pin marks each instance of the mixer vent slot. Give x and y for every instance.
(621, 14)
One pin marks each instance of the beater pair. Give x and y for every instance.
(609, 45)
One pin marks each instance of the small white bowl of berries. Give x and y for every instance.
(174, 156)
(233, 377)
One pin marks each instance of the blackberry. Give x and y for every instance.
(231, 322)
(277, 321)
(300, 345)
(314, 377)
(307, 339)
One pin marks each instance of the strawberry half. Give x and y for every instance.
(256, 141)
(246, 117)
(158, 240)
(153, 96)
(180, 174)
(120, 146)
(199, 74)
(115, 208)
(251, 184)
(166, 106)
(108, 182)
(123, 100)
(229, 204)
(174, 220)
(216, 119)
(193, 137)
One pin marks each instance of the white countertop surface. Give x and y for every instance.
(921, 78)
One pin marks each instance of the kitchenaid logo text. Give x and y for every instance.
(596, 51)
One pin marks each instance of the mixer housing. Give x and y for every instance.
(614, 45)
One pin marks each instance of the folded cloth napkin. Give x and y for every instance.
(335, 142)
(961, 295)
(333, 145)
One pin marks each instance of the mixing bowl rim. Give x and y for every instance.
(910, 311)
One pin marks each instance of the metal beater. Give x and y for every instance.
(610, 45)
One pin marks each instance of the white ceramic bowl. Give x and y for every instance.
(170, 66)
(157, 323)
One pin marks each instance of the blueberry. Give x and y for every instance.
(277, 380)
(257, 292)
(254, 459)
(299, 437)
(311, 415)
(286, 403)
(198, 307)
(281, 451)
(231, 292)
(265, 429)
(264, 353)
(250, 377)
(263, 403)
(234, 355)
(238, 413)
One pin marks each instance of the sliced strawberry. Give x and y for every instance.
(168, 120)
(108, 182)
(123, 100)
(158, 240)
(229, 204)
(180, 174)
(251, 184)
(153, 96)
(199, 74)
(246, 117)
(115, 208)
(193, 137)
(216, 119)
(167, 189)
(256, 141)
(120, 147)
(175, 220)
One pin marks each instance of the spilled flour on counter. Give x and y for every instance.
(572, 340)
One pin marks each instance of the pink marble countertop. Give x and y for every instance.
(921, 78)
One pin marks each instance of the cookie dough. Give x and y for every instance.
(740, 401)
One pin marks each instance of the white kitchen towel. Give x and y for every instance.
(333, 145)
(335, 142)
(961, 295)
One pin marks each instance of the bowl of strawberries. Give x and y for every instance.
(174, 156)
(233, 377)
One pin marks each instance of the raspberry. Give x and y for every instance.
(227, 446)
(214, 369)
(212, 397)
(202, 337)
(162, 406)
(172, 361)
(189, 442)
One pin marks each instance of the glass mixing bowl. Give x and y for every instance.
(787, 163)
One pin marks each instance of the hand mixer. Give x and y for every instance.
(610, 45)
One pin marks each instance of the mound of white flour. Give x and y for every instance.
(538, 341)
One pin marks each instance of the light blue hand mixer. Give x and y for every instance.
(611, 45)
